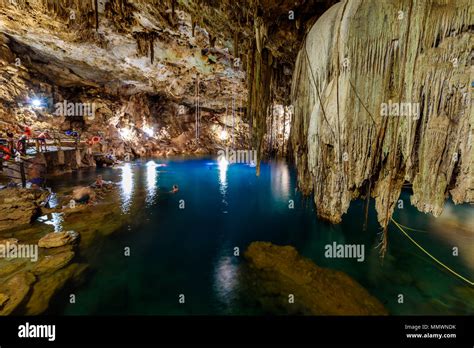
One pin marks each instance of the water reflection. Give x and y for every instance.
(57, 220)
(280, 180)
(126, 186)
(151, 184)
(223, 166)
(455, 227)
(225, 279)
(53, 199)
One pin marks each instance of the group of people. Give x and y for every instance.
(17, 141)
(89, 195)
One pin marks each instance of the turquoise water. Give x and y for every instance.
(184, 243)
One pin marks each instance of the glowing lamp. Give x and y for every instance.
(36, 103)
(125, 133)
(223, 135)
(148, 131)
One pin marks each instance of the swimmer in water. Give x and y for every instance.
(175, 189)
(99, 183)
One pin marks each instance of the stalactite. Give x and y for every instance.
(250, 87)
(236, 43)
(96, 3)
(284, 132)
(272, 114)
(263, 85)
(172, 13)
(152, 49)
(260, 34)
(193, 25)
(145, 43)
(212, 40)
(398, 63)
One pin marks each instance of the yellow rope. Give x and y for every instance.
(434, 258)
(412, 229)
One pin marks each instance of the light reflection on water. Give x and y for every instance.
(223, 167)
(191, 249)
(280, 180)
(56, 220)
(151, 183)
(455, 226)
(126, 187)
(225, 279)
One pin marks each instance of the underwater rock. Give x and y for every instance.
(59, 250)
(20, 206)
(276, 272)
(51, 263)
(17, 289)
(49, 285)
(11, 266)
(3, 299)
(58, 239)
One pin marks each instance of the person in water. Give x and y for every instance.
(175, 189)
(99, 183)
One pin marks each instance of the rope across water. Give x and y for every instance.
(431, 256)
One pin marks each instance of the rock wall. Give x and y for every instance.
(20, 206)
(147, 67)
(360, 59)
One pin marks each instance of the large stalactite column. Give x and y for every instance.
(260, 75)
(381, 97)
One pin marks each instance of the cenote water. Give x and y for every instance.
(184, 243)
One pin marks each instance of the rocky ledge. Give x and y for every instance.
(20, 206)
(58, 239)
(277, 272)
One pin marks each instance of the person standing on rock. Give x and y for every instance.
(42, 141)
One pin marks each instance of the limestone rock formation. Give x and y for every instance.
(49, 285)
(279, 271)
(20, 206)
(8, 243)
(3, 299)
(381, 93)
(51, 263)
(83, 194)
(58, 239)
(8, 267)
(149, 76)
(16, 289)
